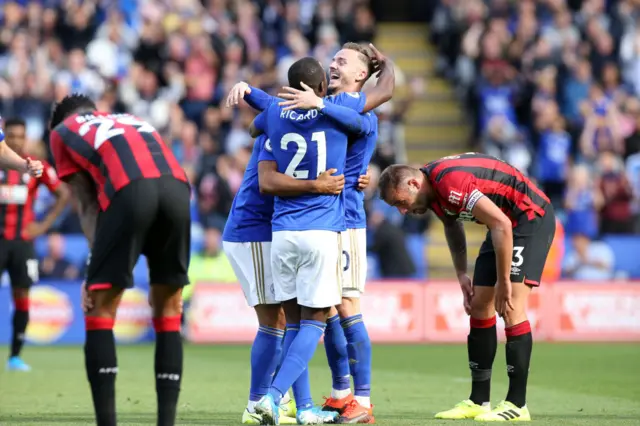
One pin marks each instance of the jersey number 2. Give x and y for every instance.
(105, 130)
(292, 169)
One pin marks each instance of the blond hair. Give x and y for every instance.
(364, 54)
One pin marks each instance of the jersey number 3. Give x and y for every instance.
(106, 130)
(301, 150)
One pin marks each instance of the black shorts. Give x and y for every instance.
(150, 217)
(530, 250)
(18, 258)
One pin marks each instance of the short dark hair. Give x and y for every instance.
(15, 121)
(391, 177)
(364, 54)
(70, 105)
(308, 71)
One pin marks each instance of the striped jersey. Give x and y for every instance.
(461, 180)
(115, 149)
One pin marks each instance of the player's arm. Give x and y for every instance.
(253, 96)
(272, 182)
(500, 226)
(10, 160)
(84, 192)
(61, 192)
(457, 242)
(351, 120)
(383, 90)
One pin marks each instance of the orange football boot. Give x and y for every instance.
(355, 413)
(337, 405)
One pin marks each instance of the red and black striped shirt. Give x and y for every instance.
(18, 192)
(115, 149)
(461, 180)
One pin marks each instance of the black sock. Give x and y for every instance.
(482, 344)
(168, 367)
(20, 321)
(102, 366)
(518, 350)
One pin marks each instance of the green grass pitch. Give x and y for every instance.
(570, 384)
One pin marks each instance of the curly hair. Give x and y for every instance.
(70, 105)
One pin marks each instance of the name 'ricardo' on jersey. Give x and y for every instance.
(461, 180)
(115, 149)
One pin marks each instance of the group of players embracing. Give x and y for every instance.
(296, 238)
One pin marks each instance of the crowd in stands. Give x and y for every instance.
(172, 62)
(554, 87)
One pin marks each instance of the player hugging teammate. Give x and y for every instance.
(521, 223)
(310, 252)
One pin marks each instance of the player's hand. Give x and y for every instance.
(35, 229)
(300, 99)
(85, 299)
(327, 183)
(34, 167)
(378, 61)
(237, 92)
(467, 292)
(503, 301)
(363, 180)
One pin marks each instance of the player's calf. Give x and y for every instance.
(335, 344)
(358, 349)
(20, 322)
(166, 305)
(266, 351)
(100, 352)
(519, 345)
(482, 344)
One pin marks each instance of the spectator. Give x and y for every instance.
(615, 216)
(582, 202)
(211, 265)
(589, 260)
(54, 266)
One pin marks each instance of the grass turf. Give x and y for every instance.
(570, 384)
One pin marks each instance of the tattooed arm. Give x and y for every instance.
(84, 194)
(457, 242)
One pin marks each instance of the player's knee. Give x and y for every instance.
(482, 305)
(315, 314)
(271, 316)
(520, 294)
(104, 302)
(349, 307)
(166, 301)
(20, 293)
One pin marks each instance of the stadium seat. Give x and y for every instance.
(141, 272)
(625, 248)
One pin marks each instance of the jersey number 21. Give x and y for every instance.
(301, 149)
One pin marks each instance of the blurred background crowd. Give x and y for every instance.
(552, 85)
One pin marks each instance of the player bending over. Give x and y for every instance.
(306, 251)
(133, 198)
(350, 69)
(17, 255)
(521, 222)
(246, 241)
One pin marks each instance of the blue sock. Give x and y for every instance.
(335, 344)
(265, 356)
(359, 348)
(295, 364)
(301, 387)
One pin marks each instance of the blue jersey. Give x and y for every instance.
(251, 212)
(359, 153)
(304, 144)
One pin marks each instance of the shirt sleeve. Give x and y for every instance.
(50, 178)
(64, 163)
(260, 122)
(352, 100)
(266, 153)
(459, 190)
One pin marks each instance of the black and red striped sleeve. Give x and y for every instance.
(50, 178)
(459, 190)
(64, 163)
